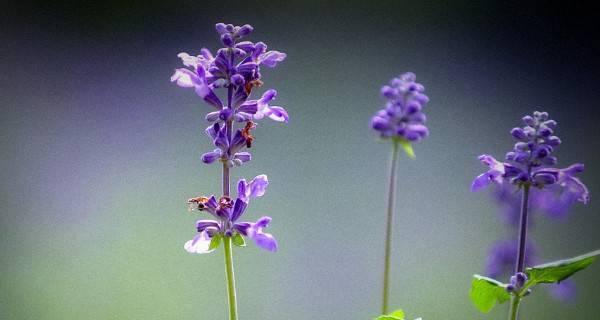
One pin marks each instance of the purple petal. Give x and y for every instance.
(212, 116)
(213, 130)
(210, 157)
(221, 140)
(268, 96)
(201, 225)
(265, 241)
(277, 113)
(247, 69)
(239, 97)
(188, 61)
(263, 222)
(238, 209)
(242, 227)
(249, 107)
(185, 78)
(271, 58)
(237, 142)
(242, 186)
(243, 156)
(258, 186)
(481, 181)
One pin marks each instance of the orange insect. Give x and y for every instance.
(251, 85)
(246, 133)
(198, 203)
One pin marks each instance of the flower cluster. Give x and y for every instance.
(528, 163)
(227, 212)
(236, 69)
(402, 116)
(517, 282)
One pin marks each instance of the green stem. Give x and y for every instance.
(230, 278)
(514, 307)
(388, 229)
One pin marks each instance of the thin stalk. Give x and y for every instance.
(230, 278)
(388, 228)
(514, 307)
(520, 263)
(229, 274)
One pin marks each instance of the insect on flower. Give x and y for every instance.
(247, 135)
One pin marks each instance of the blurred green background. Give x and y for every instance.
(100, 152)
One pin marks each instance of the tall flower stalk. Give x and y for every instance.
(235, 69)
(403, 122)
(529, 166)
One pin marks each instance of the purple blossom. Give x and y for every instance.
(402, 116)
(226, 213)
(236, 67)
(228, 149)
(530, 160)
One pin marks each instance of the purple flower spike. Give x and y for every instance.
(527, 163)
(236, 68)
(402, 116)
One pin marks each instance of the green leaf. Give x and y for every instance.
(407, 147)
(238, 240)
(215, 242)
(486, 292)
(558, 271)
(396, 315)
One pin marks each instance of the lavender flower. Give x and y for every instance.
(227, 211)
(528, 163)
(402, 116)
(228, 149)
(403, 121)
(236, 68)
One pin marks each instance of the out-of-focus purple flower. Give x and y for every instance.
(502, 256)
(565, 291)
(552, 201)
(402, 117)
(226, 212)
(530, 160)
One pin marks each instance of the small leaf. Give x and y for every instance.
(238, 240)
(407, 147)
(486, 292)
(396, 315)
(558, 271)
(215, 242)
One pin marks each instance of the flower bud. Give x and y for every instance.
(227, 40)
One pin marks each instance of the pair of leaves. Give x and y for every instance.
(237, 240)
(486, 292)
